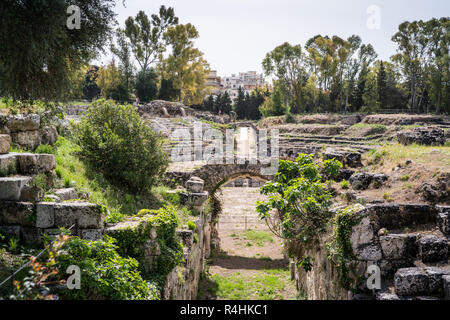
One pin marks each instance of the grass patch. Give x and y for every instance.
(264, 285)
(254, 237)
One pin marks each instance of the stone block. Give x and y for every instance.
(45, 215)
(27, 139)
(17, 213)
(8, 164)
(11, 187)
(11, 230)
(31, 235)
(363, 241)
(435, 281)
(30, 163)
(22, 122)
(31, 194)
(411, 282)
(444, 222)
(397, 246)
(5, 142)
(432, 249)
(49, 135)
(195, 185)
(85, 215)
(66, 194)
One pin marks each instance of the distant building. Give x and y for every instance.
(213, 80)
(248, 81)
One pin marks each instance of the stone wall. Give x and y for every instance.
(26, 130)
(409, 243)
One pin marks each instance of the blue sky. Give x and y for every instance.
(235, 35)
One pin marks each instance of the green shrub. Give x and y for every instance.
(331, 168)
(191, 225)
(118, 143)
(104, 273)
(344, 184)
(45, 149)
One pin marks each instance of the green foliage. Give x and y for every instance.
(146, 88)
(45, 149)
(345, 184)
(131, 242)
(339, 249)
(105, 274)
(115, 141)
(306, 263)
(191, 225)
(299, 197)
(42, 53)
(331, 168)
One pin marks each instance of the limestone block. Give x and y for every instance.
(27, 139)
(45, 215)
(194, 199)
(363, 241)
(397, 246)
(195, 185)
(17, 213)
(18, 123)
(411, 282)
(11, 187)
(31, 194)
(66, 194)
(8, 164)
(432, 248)
(30, 163)
(435, 281)
(5, 142)
(49, 135)
(85, 215)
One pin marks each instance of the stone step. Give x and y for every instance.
(26, 163)
(5, 142)
(432, 248)
(428, 281)
(11, 187)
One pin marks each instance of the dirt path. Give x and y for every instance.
(251, 265)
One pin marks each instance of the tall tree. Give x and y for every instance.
(123, 52)
(185, 66)
(39, 50)
(147, 36)
(241, 104)
(287, 63)
(412, 45)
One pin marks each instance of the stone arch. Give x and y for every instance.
(216, 175)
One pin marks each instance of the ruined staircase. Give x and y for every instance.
(27, 213)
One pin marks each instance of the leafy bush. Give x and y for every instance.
(344, 184)
(331, 168)
(45, 148)
(104, 273)
(300, 199)
(191, 225)
(117, 142)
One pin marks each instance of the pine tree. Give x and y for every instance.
(382, 87)
(240, 105)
